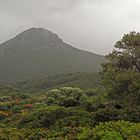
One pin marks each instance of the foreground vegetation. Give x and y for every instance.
(76, 113)
(65, 113)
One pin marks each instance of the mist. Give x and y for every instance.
(92, 25)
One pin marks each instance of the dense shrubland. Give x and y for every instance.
(67, 113)
(72, 113)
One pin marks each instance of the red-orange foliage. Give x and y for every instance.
(28, 106)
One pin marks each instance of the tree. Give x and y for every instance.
(121, 73)
(71, 92)
(68, 102)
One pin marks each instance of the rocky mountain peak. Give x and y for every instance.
(33, 38)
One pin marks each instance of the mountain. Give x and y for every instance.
(37, 53)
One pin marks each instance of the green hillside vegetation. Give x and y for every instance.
(66, 113)
(81, 80)
(111, 112)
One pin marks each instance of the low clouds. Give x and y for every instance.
(93, 25)
(28, 8)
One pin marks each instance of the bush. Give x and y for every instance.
(90, 92)
(119, 130)
(55, 93)
(72, 92)
(22, 134)
(50, 101)
(16, 109)
(68, 102)
(113, 130)
(3, 115)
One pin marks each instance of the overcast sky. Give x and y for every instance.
(93, 25)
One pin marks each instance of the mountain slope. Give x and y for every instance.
(38, 53)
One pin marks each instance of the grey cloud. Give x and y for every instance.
(35, 7)
(93, 25)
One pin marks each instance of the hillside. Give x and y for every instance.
(38, 53)
(81, 80)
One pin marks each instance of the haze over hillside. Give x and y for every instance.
(38, 53)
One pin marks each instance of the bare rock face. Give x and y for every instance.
(37, 52)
